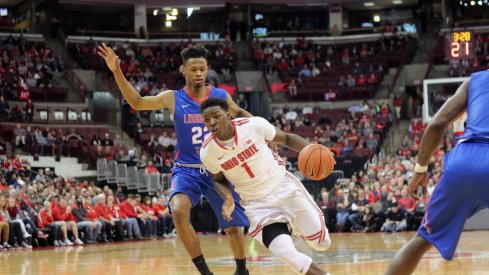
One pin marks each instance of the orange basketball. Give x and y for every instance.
(316, 161)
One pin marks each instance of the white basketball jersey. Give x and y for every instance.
(249, 164)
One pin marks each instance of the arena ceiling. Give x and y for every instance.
(9, 3)
(203, 3)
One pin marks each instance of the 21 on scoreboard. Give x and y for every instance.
(459, 45)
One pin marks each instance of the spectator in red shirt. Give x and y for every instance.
(147, 207)
(362, 80)
(129, 208)
(131, 224)
(62, 212)
(46, 221)
(145, 220)
(374, 195)
(406, 202)
(150, 169)
(93, 217)
(165, 219)
(108, 222)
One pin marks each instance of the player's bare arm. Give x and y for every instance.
(223, 188)
(235, 110)
(432, 137)
(289, 140)
(163, 100)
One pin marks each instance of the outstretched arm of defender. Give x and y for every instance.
(136, 101)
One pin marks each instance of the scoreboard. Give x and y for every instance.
(459, 45)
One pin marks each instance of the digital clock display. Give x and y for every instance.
(459, 45)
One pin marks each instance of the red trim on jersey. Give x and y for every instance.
(199, 101)
(235, 136)
(218, 144)
(260, 225)
(323, 230)
(236, 132)
(207, 141)
(176, 154)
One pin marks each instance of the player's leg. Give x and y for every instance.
(184, 194)
(406, 259)
(276, 237)
(180, 207)
(308, 219)
(232, 228)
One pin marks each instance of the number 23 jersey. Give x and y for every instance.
(189, 125)
(249, 164)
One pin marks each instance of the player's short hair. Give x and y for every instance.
(214, 101)
(196, 51)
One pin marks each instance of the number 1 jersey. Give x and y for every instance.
(253, 168)
(189, 125)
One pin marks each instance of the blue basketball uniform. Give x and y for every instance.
(463, 189)
(193, 182)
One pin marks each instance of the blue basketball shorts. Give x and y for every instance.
(193, 183)
(462, 191)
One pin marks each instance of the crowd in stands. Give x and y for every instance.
(377, 199)
(26, 69)
(42, 208)
(332, 70)
(356, 130)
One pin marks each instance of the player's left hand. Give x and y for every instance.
(417, 180)
(228, 208)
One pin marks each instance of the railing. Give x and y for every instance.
(131, 177)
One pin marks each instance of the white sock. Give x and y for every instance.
(283, 248)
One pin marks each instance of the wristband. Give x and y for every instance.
(420, 169)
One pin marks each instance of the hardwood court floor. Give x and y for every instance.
(349, 254)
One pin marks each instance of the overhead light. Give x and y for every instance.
(472, 3)
(155, 12)
(166, 9)
(480, 3)
(189, 12)
(397, 2)
(168, 24)
(368, 4)
(170, 17)
(174, 12)
(377, 18)
(465, 4)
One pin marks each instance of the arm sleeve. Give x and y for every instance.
(264, 128)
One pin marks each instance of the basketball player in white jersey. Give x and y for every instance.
(274, 200)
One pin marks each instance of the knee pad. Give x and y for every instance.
(271, 231)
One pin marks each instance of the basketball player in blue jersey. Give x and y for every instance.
(464, 187)
(189, 179)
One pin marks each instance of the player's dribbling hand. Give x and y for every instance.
(228, 208)
(417, 180)
(111, 59)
